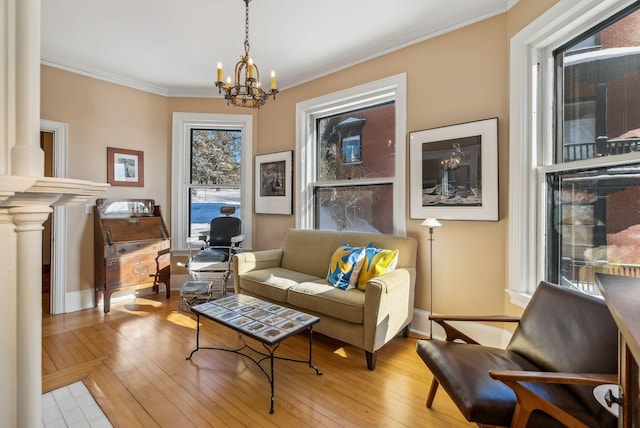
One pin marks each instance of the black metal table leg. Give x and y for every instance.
(311, 352)
(197, 337)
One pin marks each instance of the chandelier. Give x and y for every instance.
(454, 159)
(246, 89)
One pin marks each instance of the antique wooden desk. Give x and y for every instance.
(622, 294)
(131, 247)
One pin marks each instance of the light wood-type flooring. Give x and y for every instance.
(133, 362)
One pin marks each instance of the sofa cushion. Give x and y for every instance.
(321, 297)
(273, 283)
(377, 261)
(344, 266)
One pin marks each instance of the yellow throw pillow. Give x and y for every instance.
(377, 261)
(345, 264)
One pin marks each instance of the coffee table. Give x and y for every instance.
(265, 322)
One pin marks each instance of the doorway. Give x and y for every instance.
(46, 144)
(57, 239)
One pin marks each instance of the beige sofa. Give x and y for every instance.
(295, 276)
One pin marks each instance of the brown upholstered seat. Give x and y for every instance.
(561, 330)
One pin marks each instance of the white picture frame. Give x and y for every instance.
(273, 183)
(454, 172)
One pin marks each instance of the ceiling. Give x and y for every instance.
(172, 47)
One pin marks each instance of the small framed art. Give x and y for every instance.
(125, 167)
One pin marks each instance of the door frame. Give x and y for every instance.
(57, 297)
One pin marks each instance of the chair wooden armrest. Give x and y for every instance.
(453, 333)
(590, 379)
(528, 401)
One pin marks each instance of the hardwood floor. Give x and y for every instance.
(133, 362)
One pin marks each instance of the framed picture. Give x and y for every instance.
(125, 167)
(454, 172)
(274, 183)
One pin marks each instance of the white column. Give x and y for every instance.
(25, 197)
(8, 321)
(27, 158)
(28, 220)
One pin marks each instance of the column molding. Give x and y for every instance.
(8, 320)
(28, 221)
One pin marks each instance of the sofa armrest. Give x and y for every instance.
(387, 308)
(254, 260)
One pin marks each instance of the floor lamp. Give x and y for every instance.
(431, 223)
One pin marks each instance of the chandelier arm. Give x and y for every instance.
(257, 71)
(238, 72)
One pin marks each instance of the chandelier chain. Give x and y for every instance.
(246, 28)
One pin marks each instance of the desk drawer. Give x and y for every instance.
(138, 247)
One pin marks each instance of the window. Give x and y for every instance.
(216, 167)
(575, 185)
(351, 153)
(209, 155)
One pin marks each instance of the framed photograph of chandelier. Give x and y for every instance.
(273, 186)
(454, 171)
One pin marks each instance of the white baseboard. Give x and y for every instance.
(83, 299)
(78, 300)
(485, 334)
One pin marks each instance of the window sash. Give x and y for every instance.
(307, 112)
(182, 125)
(531, 132)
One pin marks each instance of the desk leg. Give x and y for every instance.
(106, 300)
(197, 337)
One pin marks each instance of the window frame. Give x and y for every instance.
(531, 133)
(182, 125)
(392, 88)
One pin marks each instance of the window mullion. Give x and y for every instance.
(354, 182)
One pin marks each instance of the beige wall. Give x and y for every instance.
(449, 80)
(101, 115)
(457, 77)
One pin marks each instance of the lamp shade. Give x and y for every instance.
(430, 222)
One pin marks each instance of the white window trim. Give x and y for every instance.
(391, 88)
(531, 130)
(183, 123)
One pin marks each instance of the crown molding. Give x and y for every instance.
(112, 78)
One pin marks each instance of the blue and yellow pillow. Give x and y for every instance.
(345, 265)
(377, 261)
